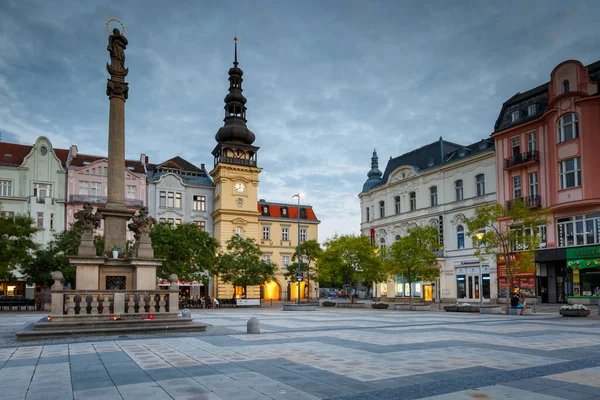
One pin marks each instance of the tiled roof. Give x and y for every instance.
(275, 211)
(180, 163)
(14, 154)
(539, 96)
(82, 160)
(198, 176)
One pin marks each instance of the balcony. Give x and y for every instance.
(83, 198)
(529, 201)
(529, 157)
(237, 161)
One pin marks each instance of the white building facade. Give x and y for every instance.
(439, 184)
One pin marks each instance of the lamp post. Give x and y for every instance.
(479, 236)
(299, 274)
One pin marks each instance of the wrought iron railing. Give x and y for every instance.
(528, 201)
(83, 198)
(522, 158)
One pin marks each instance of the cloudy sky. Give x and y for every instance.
(326, 81)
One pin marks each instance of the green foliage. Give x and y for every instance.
(310, 252)
(349, 259)
(413, 256)
(242, 264)
(187, 250)
(16, 242)
(507, 231)
(99, 244)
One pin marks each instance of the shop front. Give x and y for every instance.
(523, 282)
(423, 290)
(468, 286)
(584, 266)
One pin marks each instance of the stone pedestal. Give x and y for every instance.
(87, 248)
(115, 225)
(91, 272)
(145, 248)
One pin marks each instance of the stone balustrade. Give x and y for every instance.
(123, 304)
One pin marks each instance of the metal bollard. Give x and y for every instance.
(534, 303)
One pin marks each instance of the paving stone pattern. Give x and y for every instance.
(335, 354)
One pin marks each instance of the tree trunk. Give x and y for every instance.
(410, 295)
(508, 288)
(350, 294)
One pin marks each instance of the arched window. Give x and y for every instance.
(460, 237)
(239, 231)
(566, 86)
(413, 201)
(368, 214)
(381, 209)
(397, 237)
(458, 190)
(433, 196)
(568, 127)
(381, 243)
(397, 204)
(480, 183)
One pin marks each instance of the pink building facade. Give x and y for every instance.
(547, 142)
(87, 182)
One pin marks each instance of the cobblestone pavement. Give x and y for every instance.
(339, 354)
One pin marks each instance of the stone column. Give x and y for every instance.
(116, 214)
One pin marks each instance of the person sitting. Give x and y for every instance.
(523, 304)
(215, 303)
(207, 302)
(514, 300)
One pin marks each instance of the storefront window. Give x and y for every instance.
(486, 286)
(399, 291)
(461, 287)
(578, 231)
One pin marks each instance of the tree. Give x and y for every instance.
(349, 259)
(16, 243)
(187, 250)
(506, 231)
(310, 252)
(413, 256)
(242, 265)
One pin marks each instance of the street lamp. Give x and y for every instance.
(299, 274)
(479, 236)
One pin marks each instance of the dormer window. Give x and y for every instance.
(531, 110)
(515, 116)
(461, 153)
(566, 86)
(265, 210)
(284, 212)
(430, 162)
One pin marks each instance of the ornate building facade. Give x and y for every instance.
(439, 184)
(545, 139)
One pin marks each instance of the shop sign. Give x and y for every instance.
(473, 271)
(586, 263)
(461, 271)
(469, 262)
(583, 252)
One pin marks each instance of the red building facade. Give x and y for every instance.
(547, 151)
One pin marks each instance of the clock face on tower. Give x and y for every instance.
(239, 188)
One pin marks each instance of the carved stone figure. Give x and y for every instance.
(140, 225)
(117, 43)
(87, 220)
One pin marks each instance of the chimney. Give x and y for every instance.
(143, 159)
(73, 151)
(201, 166)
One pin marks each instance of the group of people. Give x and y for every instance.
(519, 301)
(199, 302)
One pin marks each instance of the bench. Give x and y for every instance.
(517, 310)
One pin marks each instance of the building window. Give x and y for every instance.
(303, 234)
(163, 199)
(566, 86)
(105, 171)
(201, 225)
(517, 187)
(568, 127)
(170, 199)
(413, 201)
(541, 232)
(533, 184)
(460, 237)
(480, 183)
(516, 146)
(239, 231)
(199, 203)
(381, 243)
(285, 233)
(5, 188)
(42, 190)
(458, 190)
(531, 142)
(578, 231)
(84, 188)
(285, 262)
(40, 220)
(131, 191)
(398, 237)
(178, 221)
(171, 221)
(433, 196)
(514, 116)
(570, 173)
(461, 286)
(531, 110)
(51, 222)
(397, 204)
(266, 258)
(368, 214)
(177, 200)
(96, 189)
(266, 233)
(381, 209)
(162, 220)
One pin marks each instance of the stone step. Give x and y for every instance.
(110, 329)
(44, 324)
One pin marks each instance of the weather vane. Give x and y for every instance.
(117, 21)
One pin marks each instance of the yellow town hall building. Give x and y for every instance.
(238, 211)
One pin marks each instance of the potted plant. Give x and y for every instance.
(380, 305)
(451, 308)
(466, 307)
(328, 303)
(574, 310)
(115, 251)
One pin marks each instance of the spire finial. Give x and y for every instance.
(235, 40)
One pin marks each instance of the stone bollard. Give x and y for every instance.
(253, 326)
(185, 313)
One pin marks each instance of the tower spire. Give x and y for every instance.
(374, 175)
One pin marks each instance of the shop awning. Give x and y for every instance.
(584, 263)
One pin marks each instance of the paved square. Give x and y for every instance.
(337, 354)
